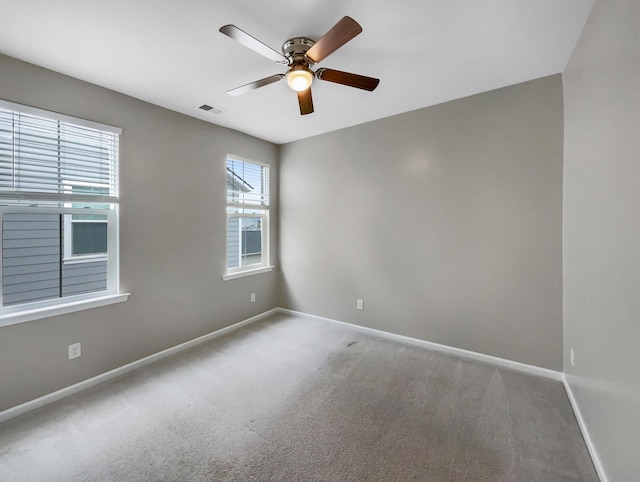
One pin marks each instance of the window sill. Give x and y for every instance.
(249, 272)
(61, 309)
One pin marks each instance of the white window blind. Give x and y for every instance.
(42, 158)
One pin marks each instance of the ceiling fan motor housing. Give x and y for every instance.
(295, 49)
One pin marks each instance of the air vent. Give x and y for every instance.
(210, 108)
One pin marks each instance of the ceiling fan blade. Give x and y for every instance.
(305, 101)
(255, 85)
(340, 34)
(254, 44)
(345, 78)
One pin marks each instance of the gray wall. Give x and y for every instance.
(445, 220)
(602, 232)
(172, 240)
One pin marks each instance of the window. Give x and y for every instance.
(58, 208)
(87, 232)
(247, 217)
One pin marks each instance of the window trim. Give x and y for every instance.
(247, 272)
(263, 210)
(49, 114)
(79, 303)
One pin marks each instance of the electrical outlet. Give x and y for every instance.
(360, 304)
(253, 297)
(572, 357)
(75, 351)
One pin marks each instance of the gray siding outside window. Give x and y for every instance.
(233, 242)
(30, 257)
(85, 277)
(32, 266)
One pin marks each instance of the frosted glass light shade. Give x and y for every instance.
(299, 78)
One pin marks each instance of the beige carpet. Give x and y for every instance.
(293, 399)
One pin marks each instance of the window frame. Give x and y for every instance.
(29, 202)
(256, 210)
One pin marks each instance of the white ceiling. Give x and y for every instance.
(170, 52)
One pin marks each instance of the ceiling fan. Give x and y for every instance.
(300, 54)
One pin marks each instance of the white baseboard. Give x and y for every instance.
(459, 352)
(502, 362)
(585, 431)
(103, 377)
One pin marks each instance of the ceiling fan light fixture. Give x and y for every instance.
(299, 78)
(299, 54)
